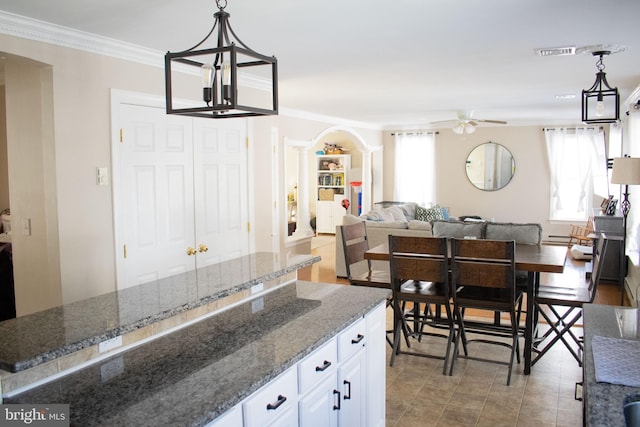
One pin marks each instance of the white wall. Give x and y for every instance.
(524, 199)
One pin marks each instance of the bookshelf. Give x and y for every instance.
(332, 187)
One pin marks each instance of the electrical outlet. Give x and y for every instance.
(110, 344)
(111, 369)
(257, 305)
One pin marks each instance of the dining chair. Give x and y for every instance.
(359, 272)
(420, 275)
(483, 278)
(561, 308)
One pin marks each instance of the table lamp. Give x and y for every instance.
(626, 171)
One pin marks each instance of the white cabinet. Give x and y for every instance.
(340, 384)
(332, 175)
(376, 367)
(330, 398)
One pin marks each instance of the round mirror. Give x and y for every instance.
(490, 166)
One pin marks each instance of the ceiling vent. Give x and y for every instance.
(556, 51)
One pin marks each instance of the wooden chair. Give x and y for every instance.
(359, 271)
(561, 308)
(483, 278)
(420, 274)
(579, 234)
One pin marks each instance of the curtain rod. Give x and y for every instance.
(419, 132)
(575, 128)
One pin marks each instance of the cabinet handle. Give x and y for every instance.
(575, 392)
(357, 340)
(337, 407)
(323, 367)
(274, 406)
(347, 394)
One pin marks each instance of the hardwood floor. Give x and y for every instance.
(477, 395)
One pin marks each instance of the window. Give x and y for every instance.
(577, 164)
(414, 168)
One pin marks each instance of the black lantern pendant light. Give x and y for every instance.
(600, 103)
(220, 70)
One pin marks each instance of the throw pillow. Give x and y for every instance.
(421, 213)
(430, 214)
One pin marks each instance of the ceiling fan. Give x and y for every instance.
(465, 123)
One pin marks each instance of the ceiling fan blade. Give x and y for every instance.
(497, 122)
(444, 122)
(472, 123)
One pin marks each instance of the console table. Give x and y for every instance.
(614, 259)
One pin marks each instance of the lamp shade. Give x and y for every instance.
(626, 170)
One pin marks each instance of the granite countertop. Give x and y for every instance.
(195, 374)
(30, 340)
(603, 401)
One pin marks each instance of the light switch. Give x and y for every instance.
(26, 226)
(102, 176)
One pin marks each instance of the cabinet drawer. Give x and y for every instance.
(318, 365)
(272, 401)
(352, 339)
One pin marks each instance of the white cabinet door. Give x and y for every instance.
(376, 363)
(324, 217)
(319, 408)
(352, 381)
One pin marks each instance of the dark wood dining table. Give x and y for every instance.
(534, 259)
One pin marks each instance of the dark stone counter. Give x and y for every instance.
(602, 401)
(193, 375)
(34, 339)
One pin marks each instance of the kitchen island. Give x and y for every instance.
(191, 348)
(195, 374)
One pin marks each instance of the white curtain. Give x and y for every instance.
(415, 168)
(577, 160)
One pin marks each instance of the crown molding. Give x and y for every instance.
(305, 115)
(45, 32)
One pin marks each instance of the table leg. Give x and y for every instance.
(532, 285)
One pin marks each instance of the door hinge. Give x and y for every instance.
(121, 135)
(248, 227)
(125, 251)
(247, 142)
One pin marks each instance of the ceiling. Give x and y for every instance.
(400, 64)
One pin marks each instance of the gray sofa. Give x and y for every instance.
(378, 233)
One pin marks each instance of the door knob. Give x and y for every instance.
(191, 251)
(203, 248)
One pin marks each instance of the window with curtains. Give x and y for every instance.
(415, 168)
(578, 166)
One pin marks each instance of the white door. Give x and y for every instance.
(220, 177)
(179, 183)
(156, 195)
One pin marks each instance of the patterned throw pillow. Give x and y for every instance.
(421, 213)
(431, 214)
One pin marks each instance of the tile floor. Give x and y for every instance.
(418, 394)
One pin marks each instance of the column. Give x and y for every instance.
(303, 217)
